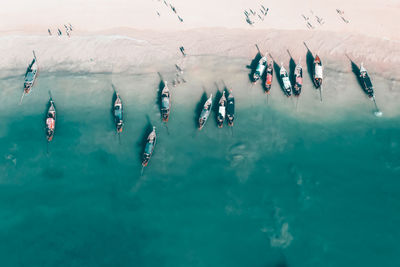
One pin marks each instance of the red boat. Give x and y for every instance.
(269, 77)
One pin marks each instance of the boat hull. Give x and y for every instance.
(50, 122)
(149, 148)
(205, 113)
(165, 117)
(268, 82)
(230, 110)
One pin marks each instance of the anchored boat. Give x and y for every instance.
(366, 82)
(269, 76)
(50, 121)
(149, 148)
(230, 108)
(287, 86)
(165, 102)
(317, 72)
(260, 69)
(118, 114)
(205, 113)
(221, 110)
(30, 75)
(298, 75)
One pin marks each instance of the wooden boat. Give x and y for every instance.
(221, 110)
(269, 77)
(205, 112)
(298, 83)
(258, 73)
(30, 75)
(149, 148)
(165, 102)
(230, 109)
(366, 82)
(287, 86)
(50, 121)
(317, 72)
(118, 114)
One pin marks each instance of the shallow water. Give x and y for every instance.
(316, 186)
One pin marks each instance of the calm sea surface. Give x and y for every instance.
(316, 186)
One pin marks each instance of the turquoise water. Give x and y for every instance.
(284, 188)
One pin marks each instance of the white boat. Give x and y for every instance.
(262, 64)
(318, 75)
(287, 86)
(221, 110)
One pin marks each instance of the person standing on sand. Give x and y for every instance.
(48, 30)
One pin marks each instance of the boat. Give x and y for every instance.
(221, 110)
(287, 86)
(230, 108)
(149, 148)
(317, 72)
(269, 76)
(205, 112)
(260, 69)
(366, 82)
(118, 114)
(165, 102)
(50, 121)
(298, 83)
(30, 75)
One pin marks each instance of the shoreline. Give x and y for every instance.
(213, 55)
(137, 47)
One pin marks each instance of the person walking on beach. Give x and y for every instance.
(182, 51)
(48, 30)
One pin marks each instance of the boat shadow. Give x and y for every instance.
(277, 69)
(292, 67)
(113, 98)
(215, 107)
(253, 65)
(356, 70)
(159, 91)
(29, 68)
(310, 64)
(199, 108)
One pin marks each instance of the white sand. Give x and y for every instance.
(370, 17)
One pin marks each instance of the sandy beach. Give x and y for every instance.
(368, 17)
(141, 32)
